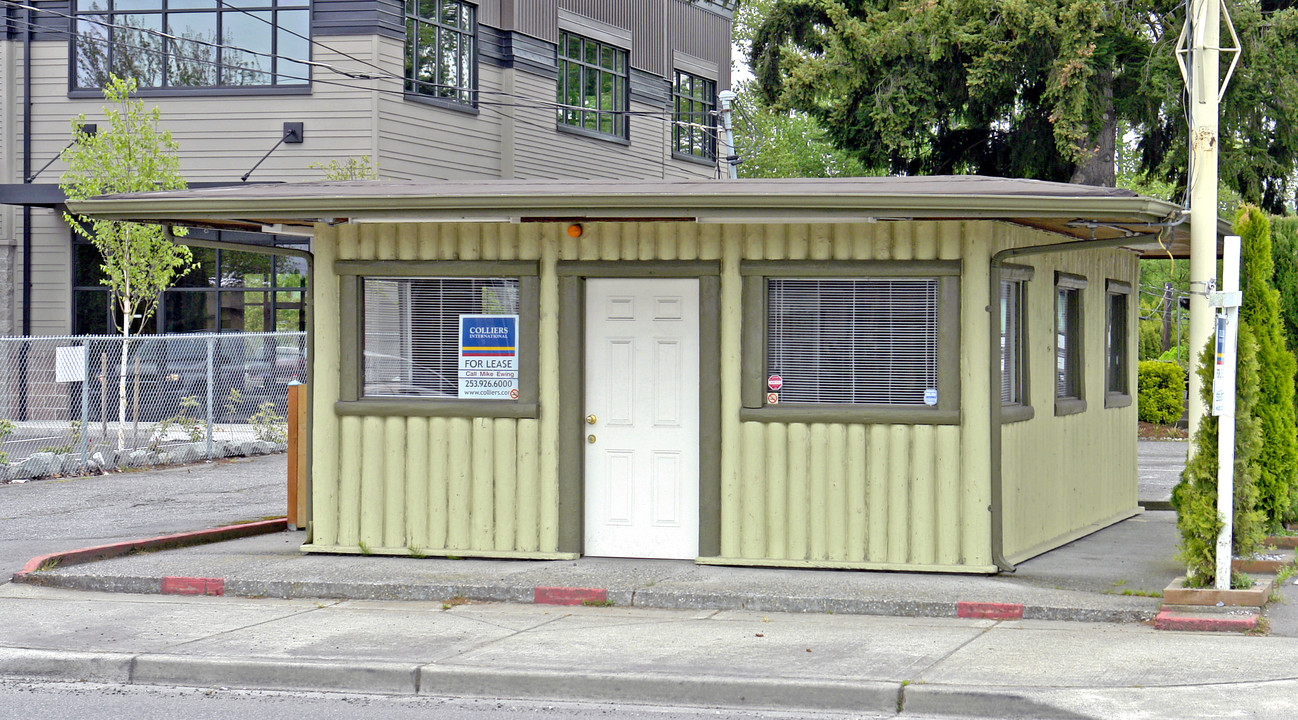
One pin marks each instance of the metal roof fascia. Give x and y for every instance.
(742, 207)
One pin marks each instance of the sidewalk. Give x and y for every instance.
(729, 659)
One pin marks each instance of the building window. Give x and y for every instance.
(444, 337)
(1013, 378)
(192, 43)
(853, 341)
(225, 291)
(442, 50)
(593, 85)
(694, 127)
(1117, 365)
(1069, 397)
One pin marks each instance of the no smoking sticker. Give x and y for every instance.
(772, 398)
(513, 393)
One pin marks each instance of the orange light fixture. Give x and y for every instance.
(574, 230)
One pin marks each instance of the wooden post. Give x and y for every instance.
(296, 456)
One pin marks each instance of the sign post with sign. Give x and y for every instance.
(488, 360)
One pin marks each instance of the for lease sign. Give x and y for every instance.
(489, 356)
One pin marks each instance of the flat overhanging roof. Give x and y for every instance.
(1076, 211)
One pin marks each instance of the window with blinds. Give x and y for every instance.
(411, 330)
(1012, 342)
(1116, 352)
(1068, 303)
(852, 341)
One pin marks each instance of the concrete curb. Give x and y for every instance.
(162, 542)
(389, 678)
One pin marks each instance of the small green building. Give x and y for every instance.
(876, 373)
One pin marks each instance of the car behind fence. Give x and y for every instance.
(69, 404)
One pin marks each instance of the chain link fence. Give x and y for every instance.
(81, 404)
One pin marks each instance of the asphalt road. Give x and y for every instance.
(45, 516)
(1158, 467)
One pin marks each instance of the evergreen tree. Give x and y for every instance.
(1195, 496)
(1284, 251)
(1033, 88)
(1260, 312)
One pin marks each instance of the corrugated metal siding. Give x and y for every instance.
(705, 35)
(432, 484)
(1090, 475)
(538, 18)
(895, 496)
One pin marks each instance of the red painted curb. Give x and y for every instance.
(162, 542)
(568, 596)
(1167, 621)
(989, 611)
(192, 586)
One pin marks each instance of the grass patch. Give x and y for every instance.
(597, 603)
(456, 601)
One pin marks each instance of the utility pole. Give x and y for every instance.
(727, 97)
(1168, 299)
(1201, 41)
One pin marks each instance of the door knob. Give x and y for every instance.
(590, 439)
(590, 419)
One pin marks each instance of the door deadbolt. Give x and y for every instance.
(590, 419)
(590, 439)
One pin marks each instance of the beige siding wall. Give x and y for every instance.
(851, 495)
(1088, 477)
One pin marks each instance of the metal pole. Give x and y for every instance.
(85, 404)
(728, 133)
(1223, 404)
(1204, 40)
(211, 344)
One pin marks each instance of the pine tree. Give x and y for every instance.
(1260, 312)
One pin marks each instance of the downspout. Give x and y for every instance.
(27, 172)
(994, 336)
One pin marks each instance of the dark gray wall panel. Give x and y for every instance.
(646, 19)
(650, 88)
(357, 17)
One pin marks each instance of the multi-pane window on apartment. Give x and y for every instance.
(593, 85)
(192, 43)
(1068, 337)
(1012, 345)
(225, 291)
(412, 344)
(1117, 352)
(862, 341)
(442, 49)
(694, 116)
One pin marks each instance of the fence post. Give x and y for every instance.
(211, 345)
(85, 404)
(295, 467)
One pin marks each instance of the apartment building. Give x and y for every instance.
(267, 90)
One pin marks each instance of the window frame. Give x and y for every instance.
(461, 98)
(1020, 409)
(1116, 398)
(1070, 285)
(753, 340)
(619, 114)
(708, 109)
(219, 64)
(351, 400)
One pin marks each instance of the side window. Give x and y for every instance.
(853, 341)
(1013, 342)
(1069, 390)
(694, 116)
(192, 44)
(593, 86)
(442, 50)
(444, 337)
(1117, 364)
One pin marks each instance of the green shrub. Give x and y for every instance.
(1161, 392)
(1195, 496)
(1151, 340)
(1278, 461)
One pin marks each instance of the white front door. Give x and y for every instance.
(642, 418)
